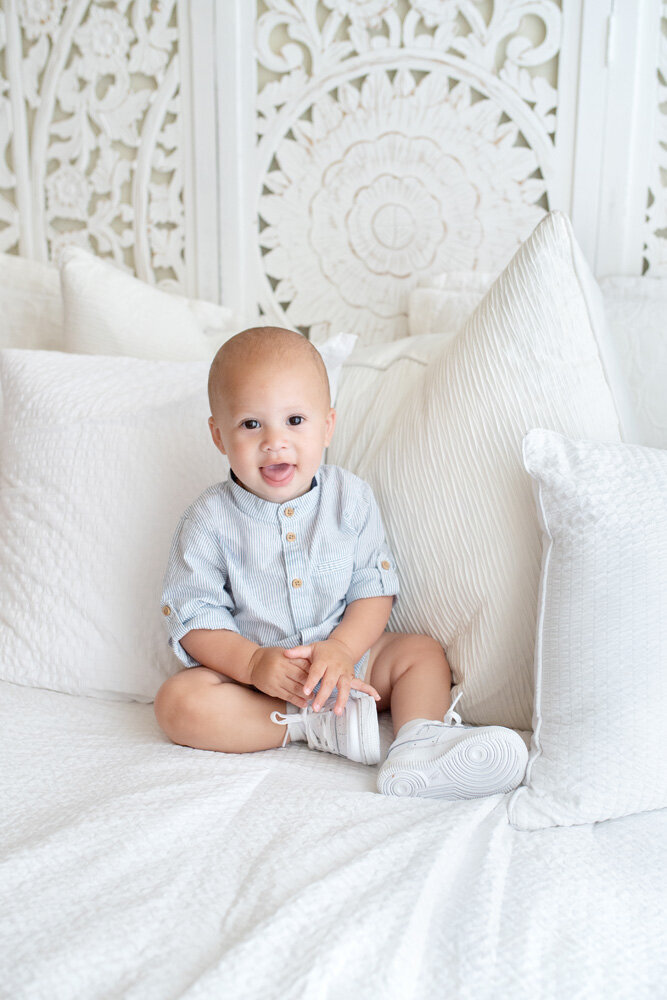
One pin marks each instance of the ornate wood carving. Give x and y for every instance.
(397, 140)
(90, 132)
(655, 250)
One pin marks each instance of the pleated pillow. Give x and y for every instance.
(435, 426)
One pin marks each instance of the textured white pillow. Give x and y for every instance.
(440, 444)
(107, 311)
(31, 313)
(599, 747)
(99, 458)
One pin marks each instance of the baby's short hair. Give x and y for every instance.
(257, 344)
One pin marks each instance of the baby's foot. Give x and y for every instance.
(354, 734)
(450, 760)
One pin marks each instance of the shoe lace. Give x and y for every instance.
(320, 735)
(281, 720)
(453, 718)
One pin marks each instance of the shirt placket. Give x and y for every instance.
(296, 567)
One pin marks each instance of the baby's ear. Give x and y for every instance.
(331, 423)
(215, 434)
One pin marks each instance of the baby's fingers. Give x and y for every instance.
(302, 665)
(366, 688)
(314, 675)
(294, 694)
(344, 684)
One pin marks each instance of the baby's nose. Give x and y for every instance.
(273, 440)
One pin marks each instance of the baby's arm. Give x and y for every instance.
(362, 624)
(222, 650)
(266, 668)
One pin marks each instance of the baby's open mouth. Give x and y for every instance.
(277, 475)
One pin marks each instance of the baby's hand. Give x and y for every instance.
(279, 676)
(333, 664)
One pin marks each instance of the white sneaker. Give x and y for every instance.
(450, 760)
(354, 734)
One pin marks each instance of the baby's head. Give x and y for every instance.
(271, 410)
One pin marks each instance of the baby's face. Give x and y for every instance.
(273, 423)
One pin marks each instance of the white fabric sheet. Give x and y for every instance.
(134, 868)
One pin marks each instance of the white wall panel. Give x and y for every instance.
(319, 157)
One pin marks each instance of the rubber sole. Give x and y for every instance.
(480, 764)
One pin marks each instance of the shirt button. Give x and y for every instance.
(288, 511)
(385, 564)
(297, 582)
(166, 610)
(290, 536)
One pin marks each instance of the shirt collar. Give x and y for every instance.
(268, 510)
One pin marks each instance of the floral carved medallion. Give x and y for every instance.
(395, 142)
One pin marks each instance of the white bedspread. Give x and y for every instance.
(137, 869)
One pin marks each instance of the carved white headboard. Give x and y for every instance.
(319, 157)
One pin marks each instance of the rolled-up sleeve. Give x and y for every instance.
(374, 573)
(194, 594)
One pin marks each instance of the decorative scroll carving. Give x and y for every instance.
(91, 113)
(655, 249)
(392, 147)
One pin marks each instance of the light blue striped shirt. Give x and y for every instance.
(280, 574)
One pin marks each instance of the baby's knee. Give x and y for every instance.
(427, 650)
(178, 706)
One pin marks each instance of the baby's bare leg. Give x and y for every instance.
(199, 708)
(412, 676)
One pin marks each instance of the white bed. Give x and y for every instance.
(135, 868)
(342, 166)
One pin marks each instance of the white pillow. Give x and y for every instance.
(108, 311)
(335, 351)
(100, 456)
(31, 313)
(636, 309)
(440, 444)
(599, 748)
(442, 304)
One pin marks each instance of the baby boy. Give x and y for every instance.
(278, 589)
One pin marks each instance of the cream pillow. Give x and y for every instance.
(636, 309)
(107, 311)
(443, 303)
(31, 313)
(599, 747)
(100, 457)
(440, 443)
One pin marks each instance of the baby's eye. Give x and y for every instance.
(295, 420)
(247, 422)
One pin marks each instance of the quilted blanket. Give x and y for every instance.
(133, 868)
